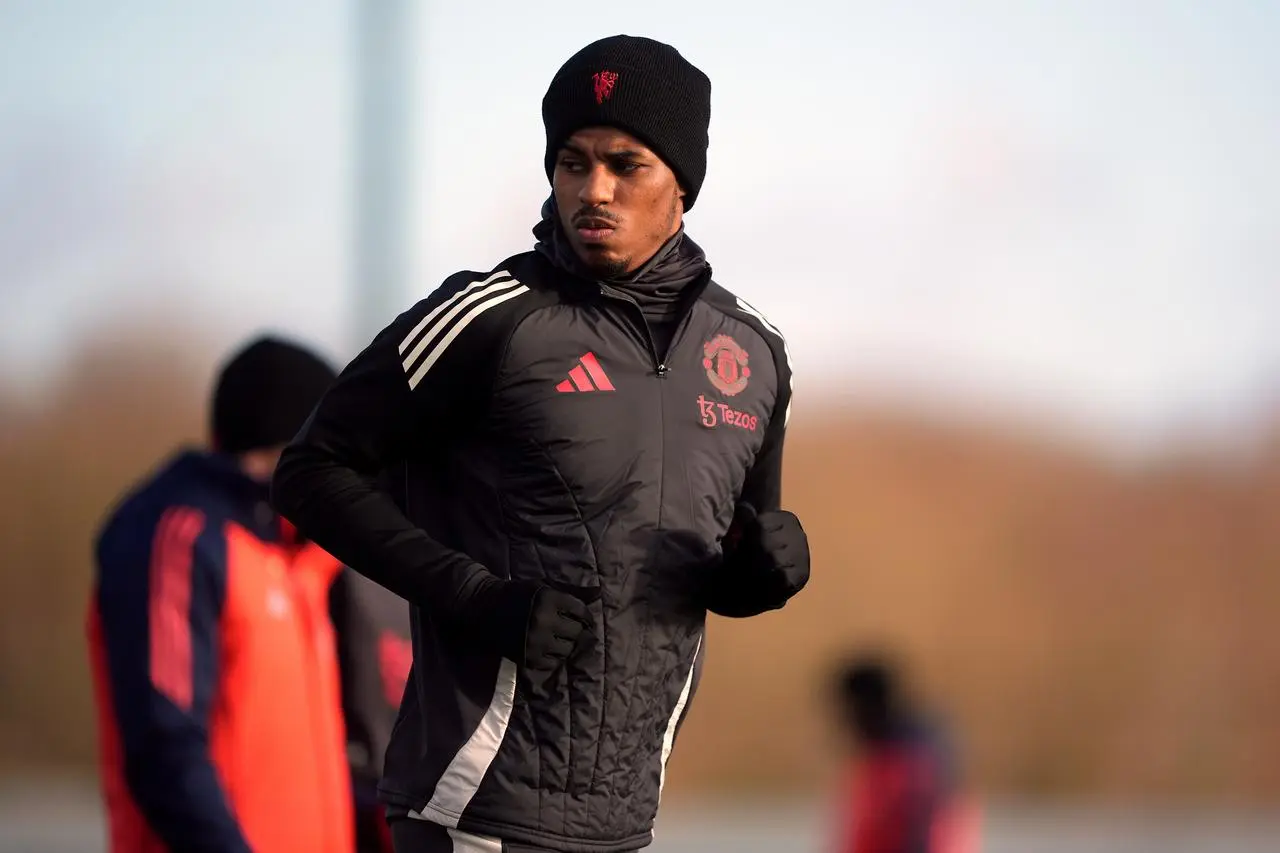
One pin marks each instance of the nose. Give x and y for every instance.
(597, 189)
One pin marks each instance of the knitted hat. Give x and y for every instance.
(264, 394)
(640, 86)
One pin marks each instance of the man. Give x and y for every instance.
(374, 656)
(213, 657)
(576, 431)
(903, 792)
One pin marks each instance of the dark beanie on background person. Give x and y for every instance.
(640, 86)
(264, 394)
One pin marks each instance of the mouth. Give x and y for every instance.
(593, 229)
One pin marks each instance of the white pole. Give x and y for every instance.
(385, 102)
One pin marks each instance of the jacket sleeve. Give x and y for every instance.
(160, 595)
(413, 391)
(763, 486)
(730, 591)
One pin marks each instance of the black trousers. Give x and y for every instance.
(419, 836)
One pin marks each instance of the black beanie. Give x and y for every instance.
(264, 394)
(640, 86)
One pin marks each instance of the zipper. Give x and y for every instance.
(660, 368)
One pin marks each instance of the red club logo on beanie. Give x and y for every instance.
(604, 81)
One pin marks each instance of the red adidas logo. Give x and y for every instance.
(587, 375)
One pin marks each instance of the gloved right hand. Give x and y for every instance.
(540, 624)
(766, 562)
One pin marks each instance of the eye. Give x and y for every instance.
(570, 164)
(627, 167)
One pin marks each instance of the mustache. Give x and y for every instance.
(597, 214)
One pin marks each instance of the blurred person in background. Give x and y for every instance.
(903, 791)
(375, 654)
(215, 670)
(591, 436)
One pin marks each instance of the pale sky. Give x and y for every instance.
(1070, 210)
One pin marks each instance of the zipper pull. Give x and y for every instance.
(662, 370)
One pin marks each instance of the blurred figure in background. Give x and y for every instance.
(215, 670)
(903, 793)
(375, 653)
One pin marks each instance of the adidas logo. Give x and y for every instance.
(587, 375)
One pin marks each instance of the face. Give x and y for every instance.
(618, 201)
(260, 464)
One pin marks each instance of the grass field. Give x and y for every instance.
(59, 818)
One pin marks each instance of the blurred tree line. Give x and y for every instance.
(1094, 632)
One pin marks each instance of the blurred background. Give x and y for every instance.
(1027, 256)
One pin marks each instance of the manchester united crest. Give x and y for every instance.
(726, 365)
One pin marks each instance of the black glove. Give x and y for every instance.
(766, 562)
(537, 624)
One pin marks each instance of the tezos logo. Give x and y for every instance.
(714, 413)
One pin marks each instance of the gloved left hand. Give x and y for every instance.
(766, 562)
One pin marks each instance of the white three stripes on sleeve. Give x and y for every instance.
(786, 352)
(479, 296)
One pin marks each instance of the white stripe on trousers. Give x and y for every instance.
(465, 842)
